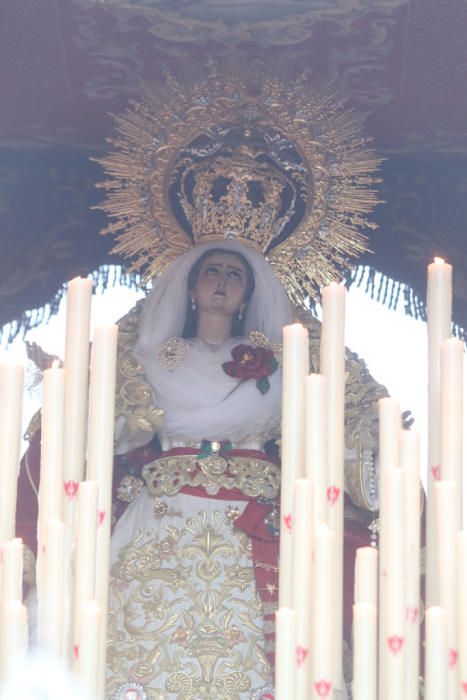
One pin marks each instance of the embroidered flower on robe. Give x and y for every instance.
(249, 362)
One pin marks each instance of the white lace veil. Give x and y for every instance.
(197, 400)
(165, 309)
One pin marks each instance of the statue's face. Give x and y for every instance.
(221, 285)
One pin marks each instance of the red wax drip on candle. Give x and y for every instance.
(412, 615)
(288, 521)
(301, 655)
(452, 658)
(333, 493)
(71, 489)
(395, 643)
(323, 688)
(436, 471)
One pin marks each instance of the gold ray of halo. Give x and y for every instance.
(153, 132)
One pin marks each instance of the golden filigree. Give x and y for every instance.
(221, 199)
(134, 399)
(166, 476)
(129, 488)
(184, 620)
(299, 143)
(261, 341)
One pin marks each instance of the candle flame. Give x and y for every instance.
(439, 261)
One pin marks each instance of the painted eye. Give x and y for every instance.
(233, 274)
(212, 270)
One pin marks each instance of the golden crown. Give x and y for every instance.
(282, 167)
(239, 194)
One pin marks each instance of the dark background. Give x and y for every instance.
(65, 65)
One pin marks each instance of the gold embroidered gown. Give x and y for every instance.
(185, 619)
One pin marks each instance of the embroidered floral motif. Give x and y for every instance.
(189, 625)
(166, 476)
(252, 363)
(160, 508)
(232, 512)
(130, 691)
(129, 488)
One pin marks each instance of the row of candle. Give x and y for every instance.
(74, 515)
(318, 458)
(312, 510)
(310, 612)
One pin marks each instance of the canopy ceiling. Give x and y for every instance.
(65, 65)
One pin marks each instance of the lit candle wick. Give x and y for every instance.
(439, 261)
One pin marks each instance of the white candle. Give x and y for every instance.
(315, 442)
(285, 654)
(389, 436)
(11, 396)
(85, 556)
(100, 465)
(50, 490)
(410, 464)
(51, 600)
(462, 608)
(88, 653)
(51, 474)
(389, 432)
(332, 366)
(452, 359)
(447, 522)
(364, 686)
(294, 371)
(12, 572)
(13, 637)
(76, 364)
(323, 630)
(366, 576)
(439, 293)
(436, 652)
(302, 583)
(392, 594)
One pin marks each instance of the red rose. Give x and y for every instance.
(252, 363)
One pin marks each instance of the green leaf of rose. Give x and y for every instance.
(263, 385)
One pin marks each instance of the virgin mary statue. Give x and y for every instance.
(239, 208)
